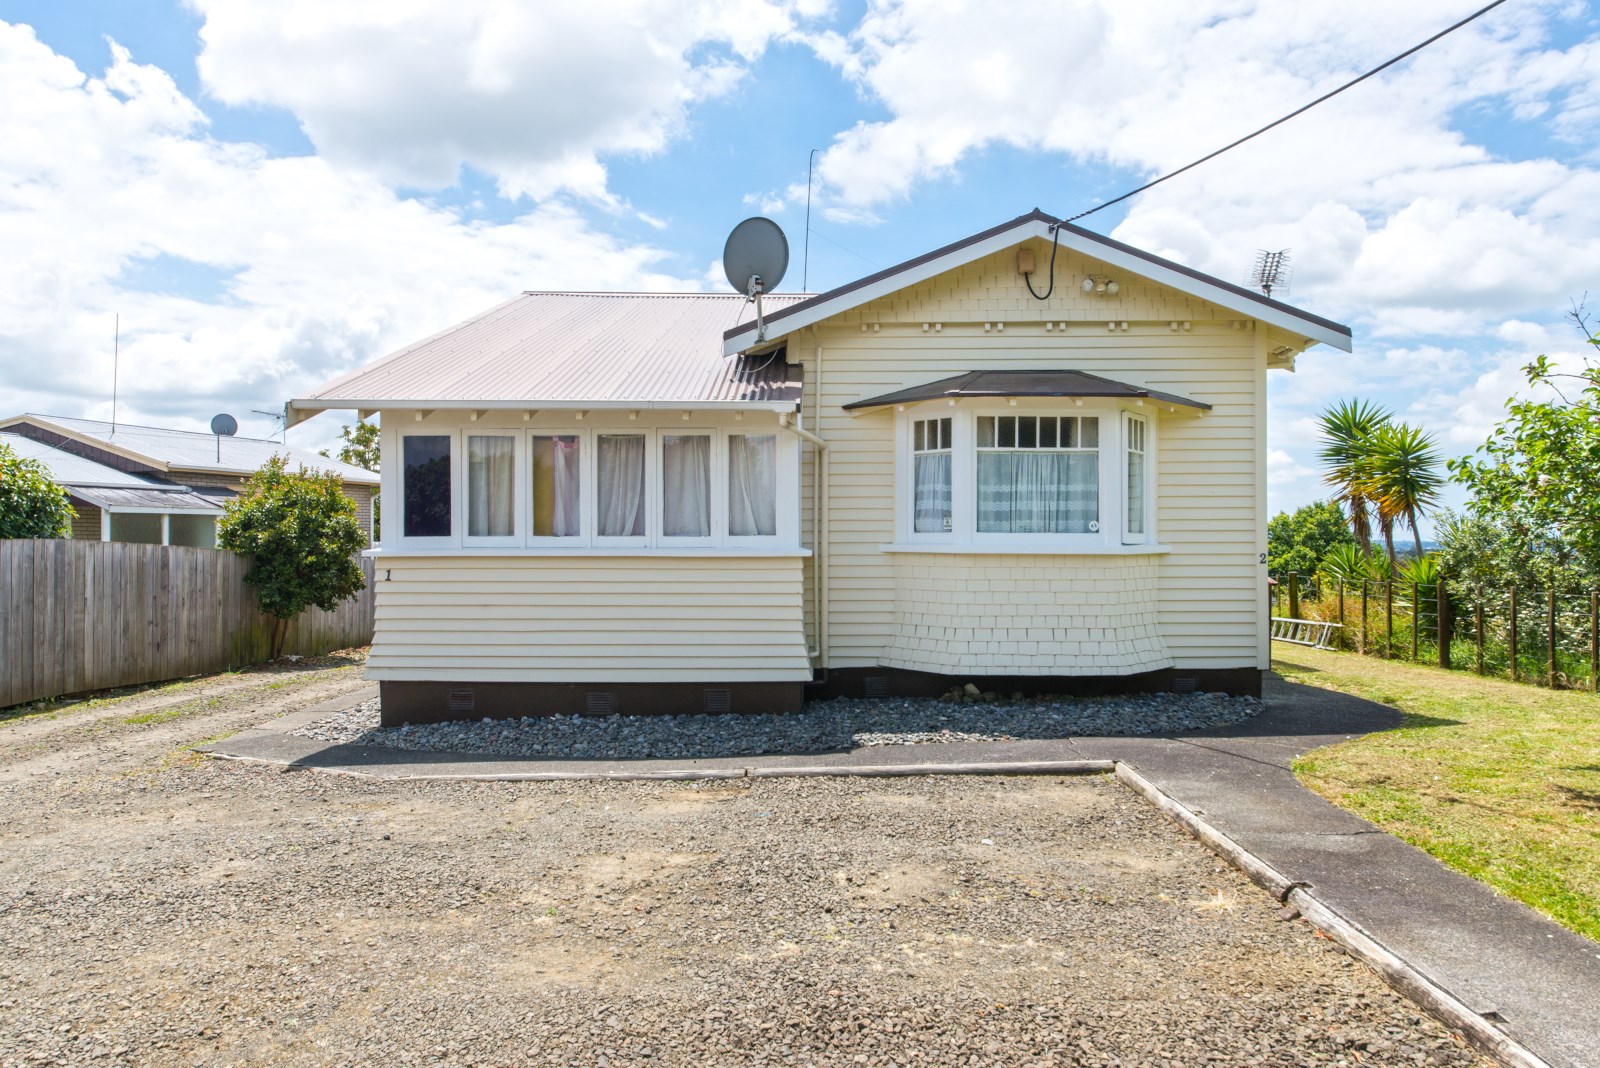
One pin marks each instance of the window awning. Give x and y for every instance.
(1024, 384)
(116, 499)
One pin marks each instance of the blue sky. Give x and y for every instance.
(270, 194)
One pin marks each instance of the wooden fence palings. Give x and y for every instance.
(89, 615)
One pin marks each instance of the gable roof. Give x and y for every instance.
(1036, 223)
(1043, 383)
(165, 450)
(106, 487)
(574, 350)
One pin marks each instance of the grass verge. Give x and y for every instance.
(1498, 780)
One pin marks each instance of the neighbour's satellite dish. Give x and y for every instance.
(755, 256)
(224, 425)
(754, 260)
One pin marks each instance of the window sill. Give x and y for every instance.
(991, 549)
(592, 551)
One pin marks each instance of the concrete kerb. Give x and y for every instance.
(1400, 975)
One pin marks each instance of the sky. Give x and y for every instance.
(246, 199)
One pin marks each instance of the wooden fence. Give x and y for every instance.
(87, 615)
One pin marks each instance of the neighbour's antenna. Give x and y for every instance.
(1271, 271)
(116, 358)
(278, 420)
(754, 259)
(805, 263)
(223, 426)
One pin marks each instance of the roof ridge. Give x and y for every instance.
(142, 426)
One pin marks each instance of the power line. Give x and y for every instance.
(1298, 111)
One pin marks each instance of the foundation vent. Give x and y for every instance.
(875, 686)
(719, 701)
(462, 702)
(1183, 684)
(600, 702)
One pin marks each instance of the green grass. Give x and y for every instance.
(1498, 780)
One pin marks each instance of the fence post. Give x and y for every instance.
(1388, 620)
(1342, 636)
(1294, 594)
(1550, 631)
(1363, 617)
(1512, 634)
(1478, 627)
(1443, 624)
(1416, 619)
(1594, 643)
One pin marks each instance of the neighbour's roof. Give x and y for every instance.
(183, 450)
(1036, 223)
(575, 349)
(68, 469)
(176, 499)
(1023, 384)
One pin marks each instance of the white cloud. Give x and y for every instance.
(535, 94)
(1283, 468)
(122, 201)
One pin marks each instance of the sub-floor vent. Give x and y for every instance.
(719, 701)
(875, 686)
(462, 701)
(1183, 684)
(601, 702)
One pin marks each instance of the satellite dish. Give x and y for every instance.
(224, 425)
(754, 259)
(755, 256)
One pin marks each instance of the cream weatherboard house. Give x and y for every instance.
(614, 502)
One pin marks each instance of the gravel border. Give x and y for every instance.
(823, 726)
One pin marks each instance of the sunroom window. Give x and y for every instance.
(930, 474)
(491, 485)
(620, 485)
(686, 485)
(752, 485)
(557, 492)
(1038, 474)
(426, 485)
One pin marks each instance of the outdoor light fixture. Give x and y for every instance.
(1104, 286)
(1088, 285)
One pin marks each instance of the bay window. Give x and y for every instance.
(1038, 474)
(930, 474)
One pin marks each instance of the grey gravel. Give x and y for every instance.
(823, 726)
(160, 908)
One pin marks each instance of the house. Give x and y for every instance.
(636, 502)
(163, 487)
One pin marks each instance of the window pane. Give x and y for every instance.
(1069, 432)
(1135, 493)
(491, 486)
(1027, 432)
(1008, 431)
(752, 485)
(1038, 492)
(426, 485)
(918, 430)
(619, 485)
(556, 497)
(1089, 432)
(196, 530)
(930, 503)
(944, 433)
(985, 431)
(686, 485)
(141, 527)
(1047, 432)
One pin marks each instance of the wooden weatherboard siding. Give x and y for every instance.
(1210, 473)
(621, 618)
(87, 615)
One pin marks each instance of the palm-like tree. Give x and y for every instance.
(1347, 432)
(1401, 478)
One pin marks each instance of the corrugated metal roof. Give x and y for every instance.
(1047, 383)
(572, 348)
(173, 500)
(69, 470)
(186, 450)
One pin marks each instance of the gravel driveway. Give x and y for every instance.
(160, 908)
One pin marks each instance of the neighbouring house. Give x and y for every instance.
(156, 486)
(613, 502)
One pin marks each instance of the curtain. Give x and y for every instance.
(1135, 493)
(752, 484)
(620, 485)
(686, 485)
(931, 496)
(555, 487)
(491, 486)
(1038, 492)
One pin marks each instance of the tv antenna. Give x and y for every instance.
(278, 421)
(1271, 271)
(754, 259)
(223, 426)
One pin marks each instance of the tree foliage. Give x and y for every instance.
(302, 532)
(31, 504)
(1300, 540)
(1382, 472)
(359, 446)
(1537, 478)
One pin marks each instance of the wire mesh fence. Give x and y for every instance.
(1546, 637)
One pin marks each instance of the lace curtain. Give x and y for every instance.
(620, 485)
(555, 487)
(1038, 492)
(752, 485)
(686, 485)
(931, 493)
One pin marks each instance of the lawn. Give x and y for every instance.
(1498, 780)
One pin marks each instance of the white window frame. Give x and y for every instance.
(586, 505)
(1146, 537)
(521, 474)
(456, 510)
(718, 504)
(964, 475)
(652, 489)
(786, 500)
